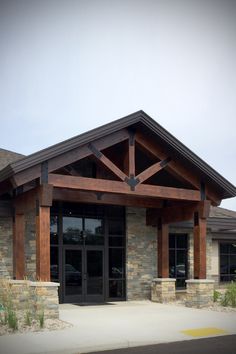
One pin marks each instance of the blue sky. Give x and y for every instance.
(69, 66)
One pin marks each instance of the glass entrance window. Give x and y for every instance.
(72, 230)
(93, 231)
(227, 262)
(94, 276)
(178, 256)
(73, 272)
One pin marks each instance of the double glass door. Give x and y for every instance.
(83, 274)
(83, 259)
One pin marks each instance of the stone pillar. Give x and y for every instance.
(199, 293)
(45, 298)
(163, 290)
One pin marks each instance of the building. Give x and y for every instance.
(108, 211)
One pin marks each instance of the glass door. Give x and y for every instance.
(94, 276)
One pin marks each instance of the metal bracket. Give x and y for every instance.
(132, 182)
(95, 151)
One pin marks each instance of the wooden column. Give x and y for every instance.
(163, 250)
(43, 244)
(19, 246)
(43, 232)
(199, 247)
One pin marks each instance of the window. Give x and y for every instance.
(227, 261)
(178, 254)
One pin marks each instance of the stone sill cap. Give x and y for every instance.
(162, 280)
(200, 281)
(32, 283)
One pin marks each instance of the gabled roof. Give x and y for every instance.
(7, 157)
(227, 189)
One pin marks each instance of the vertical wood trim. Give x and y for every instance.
(19, 246)
(199, 253)
(163, 250)
(132, 155)
(43, 244)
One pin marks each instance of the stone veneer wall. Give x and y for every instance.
(36, 297)
(6, 252)
(30, 245)
(141, 254)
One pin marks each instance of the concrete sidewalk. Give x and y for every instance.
(120, 325)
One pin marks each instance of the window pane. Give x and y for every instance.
(181, 264)
(224, 248)
(116, 288)
(224, 265)
(73, 272)
(233, 248)
(172, 263)
(233, 265)
(53, 230)
(54, 268)
(115, 227)
(72, 230)
(94, 233)
(94, 272)
(181, 241)
(116, 263)
(171, 241)
(116, 241)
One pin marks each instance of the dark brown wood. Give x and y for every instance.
(172, 214)
(174, 167)
(163, 250)
(150, 171)
(106, 198)
(69, 157)
(45, 192)
(199, 232)
(107, 186)
(43, 244)
(132, 155)
(18, 246)
(108, 163)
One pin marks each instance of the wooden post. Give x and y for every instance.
(163, 250)
(19, 246)
(43, 232)
(43, 244)
(199, 247)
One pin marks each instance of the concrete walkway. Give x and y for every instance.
(120, 325)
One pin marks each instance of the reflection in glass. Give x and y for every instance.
(53, 230)
(115, 227)
(116, 263)
(73, 272)
(54, 269)
(93, 231)
(227, 261)
(72, 230)
(94, 272)
(116, 288)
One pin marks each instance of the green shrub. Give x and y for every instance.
(41, 318)
(12, 319)
(216, 296)
(229, 298)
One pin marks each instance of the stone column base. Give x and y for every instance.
(163, 290)
(199, 292)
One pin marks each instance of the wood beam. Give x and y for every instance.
(199, 254)
(174, 167)
(105, 198)
(163, 250)
(107, 186)
(69, 157)
(107, 162)
(43, 243)
(19, 246)
(150, 171)
(132, 155)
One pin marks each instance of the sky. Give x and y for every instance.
(70, 66)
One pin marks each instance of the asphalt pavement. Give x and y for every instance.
(219, 345)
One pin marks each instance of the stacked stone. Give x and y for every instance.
(163, 290)
(33, 297)
(199, 293)
(141, 253)
(6, 236)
